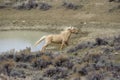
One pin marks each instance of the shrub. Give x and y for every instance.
(74, 76)
(2, 6)
(100, 41)
(96, 76)
(18, 5)
(23, 57)
(63, 61)
(70, 6)
(56, 72)
(27, 5)
(44, 6)
(80, 69)
(17, 73)
(116, 8)
(42, 62)
(6, 66)
(114, 0)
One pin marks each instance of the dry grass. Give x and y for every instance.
(102, 32)
(51, 17)
(36, 17)
(58, 15)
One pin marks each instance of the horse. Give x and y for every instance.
(63, 38)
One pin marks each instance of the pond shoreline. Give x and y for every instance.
(45, 28)
(19, 40)
(20, 28)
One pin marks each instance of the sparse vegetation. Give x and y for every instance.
(89, 66)
(93, 54)
(71, 6)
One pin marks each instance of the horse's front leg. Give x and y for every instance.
(44, 47)
(62, 45)
(66, 43)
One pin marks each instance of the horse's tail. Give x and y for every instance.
(42, 38)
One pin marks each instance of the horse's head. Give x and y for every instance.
(72, 30)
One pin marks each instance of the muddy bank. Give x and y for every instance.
(30, 28)
(86, 61)
(58, 27)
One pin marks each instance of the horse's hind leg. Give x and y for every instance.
(44, 47)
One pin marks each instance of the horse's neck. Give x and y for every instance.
(69, 34)
(66, 34)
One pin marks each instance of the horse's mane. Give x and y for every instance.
(67, 28)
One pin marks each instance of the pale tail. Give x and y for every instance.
(42, 38)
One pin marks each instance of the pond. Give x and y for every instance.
(19, 40)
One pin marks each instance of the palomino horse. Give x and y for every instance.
(62, 38)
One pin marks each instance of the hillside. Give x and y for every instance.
(92, 54)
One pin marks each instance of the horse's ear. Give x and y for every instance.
(70, 29)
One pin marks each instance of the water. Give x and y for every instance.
(19, 40)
